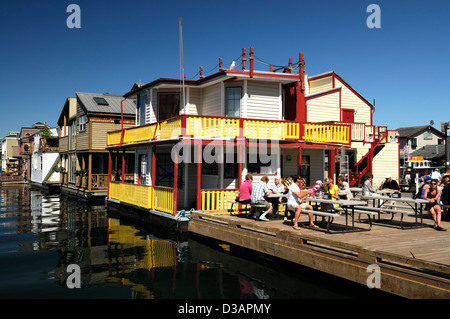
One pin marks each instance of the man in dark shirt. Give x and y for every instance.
(445, 197)
(390, 184)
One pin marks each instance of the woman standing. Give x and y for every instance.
(432, 194)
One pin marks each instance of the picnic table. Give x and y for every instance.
(380, 203)
(346, 206)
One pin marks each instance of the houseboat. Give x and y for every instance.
(83, 123)
(195, 140)
(45, 159)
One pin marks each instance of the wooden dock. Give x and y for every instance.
(413, 262)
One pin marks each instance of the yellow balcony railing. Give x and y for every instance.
(212, 126)
(218, 199)
(113, 138)
(326, 133)
(163, 199)
(156, 197)
(271, 129)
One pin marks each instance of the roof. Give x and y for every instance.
(429, 151)
(412, 130)
(112, 103)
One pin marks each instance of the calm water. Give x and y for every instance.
(121, 258)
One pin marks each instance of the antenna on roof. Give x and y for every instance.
(182, 63)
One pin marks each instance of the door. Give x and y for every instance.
(348, 115)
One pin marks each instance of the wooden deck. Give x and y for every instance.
(414, 262)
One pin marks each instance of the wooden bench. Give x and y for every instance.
(235, 202)
(378, 210)
(316, 213)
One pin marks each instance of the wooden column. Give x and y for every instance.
(89, 177)
(199, 175)
(175, 183)
(109, 169)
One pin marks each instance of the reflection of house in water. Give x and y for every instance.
(45, 218)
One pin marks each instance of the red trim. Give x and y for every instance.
(199, 176)
(175, 184)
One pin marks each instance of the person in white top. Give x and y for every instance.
(436, 174)
(294, 201)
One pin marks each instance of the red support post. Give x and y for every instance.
(251, 62)
(299, 160)
(123, 166)
(153, 165)
(199, 176)
(220, 64)
(175, 183)
(201, 73)
(109, 170)
(244, 59)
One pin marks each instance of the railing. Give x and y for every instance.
(163, 199)
(271, 129)
(156, 197)
(218, 199)
(202, 125)
(212, 126)
(326, 133)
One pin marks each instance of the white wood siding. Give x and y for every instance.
(386, 162)
(350, 100)
(320, 85)
(323, 108)
(211, 102)
(195, 100)
(263, 100)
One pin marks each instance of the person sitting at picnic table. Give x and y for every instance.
(245, 191)
(259, 193)
(432, 195)
(390, 184)
(317, 188)
(333, 190)
(344, 188)
(295, 203)
(368, 189)
(445, 194)
(277, 188)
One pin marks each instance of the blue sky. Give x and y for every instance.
(404, 65)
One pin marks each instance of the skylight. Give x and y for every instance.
(100, 101)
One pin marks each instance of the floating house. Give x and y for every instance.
(195, 140)
(83, 123)
(10, 164)
(45, 158)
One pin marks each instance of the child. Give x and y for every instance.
(317, 187)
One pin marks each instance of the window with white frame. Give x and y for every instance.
(233, 102)
(82, 123)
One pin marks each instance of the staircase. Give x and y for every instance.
(364, 165)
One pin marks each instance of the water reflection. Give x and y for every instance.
(123, 257)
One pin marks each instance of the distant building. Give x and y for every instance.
(10, 164)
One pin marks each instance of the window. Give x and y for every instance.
(258, 164)
(414, 143)
(233, 102)
(169, 105)
(82, 123)
(142, 101)
(305, 169)
(100, 101)
(231, 168)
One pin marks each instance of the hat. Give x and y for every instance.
(319, 182)
(388, 176)
(428, 178)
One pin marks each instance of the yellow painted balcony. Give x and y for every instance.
(218, 199)
(326, 133)
(156, 197)
(220, 127)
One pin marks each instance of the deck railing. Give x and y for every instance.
(326, 133)
(219, 127)
(151, 197)
(218, 199)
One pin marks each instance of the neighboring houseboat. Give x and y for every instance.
(45, 159)
(9, 160)
(195, 140)
(83, 124)
(23, 150)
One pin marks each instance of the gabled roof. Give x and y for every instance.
(112, 105)
(413, 130)
(335, 75)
